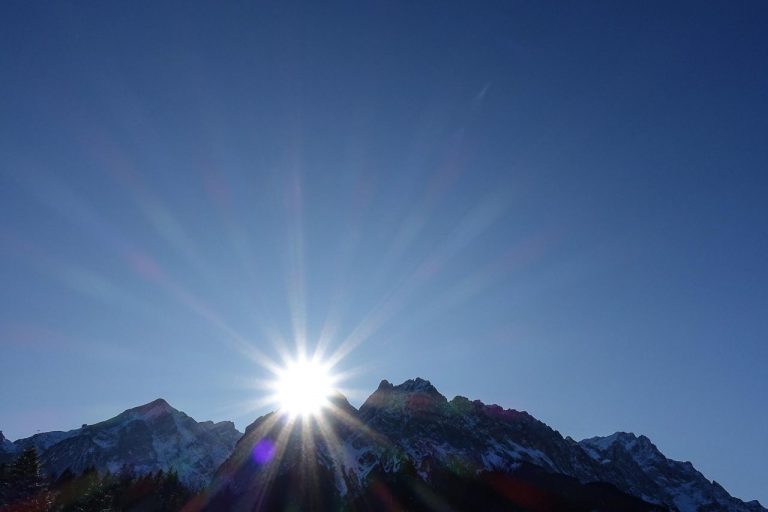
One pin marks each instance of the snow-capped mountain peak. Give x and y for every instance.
(146, 438)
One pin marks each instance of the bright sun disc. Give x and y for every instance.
(304, 387)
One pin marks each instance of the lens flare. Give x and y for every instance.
(263, 451)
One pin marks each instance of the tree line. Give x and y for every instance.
(24, 488)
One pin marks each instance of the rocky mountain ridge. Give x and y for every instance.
(637, 466)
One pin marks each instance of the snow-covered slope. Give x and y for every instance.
(638, 467)
(147, 438)
(411, 427)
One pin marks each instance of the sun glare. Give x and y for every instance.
(304, 387)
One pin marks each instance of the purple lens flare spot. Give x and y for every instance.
(263, 451)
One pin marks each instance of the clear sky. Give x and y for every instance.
(560, 208)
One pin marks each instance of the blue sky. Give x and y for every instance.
(559, 208)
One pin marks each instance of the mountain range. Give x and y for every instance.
(406, 448)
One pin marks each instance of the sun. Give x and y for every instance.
(303, 387)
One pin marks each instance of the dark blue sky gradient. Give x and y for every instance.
(559, 208)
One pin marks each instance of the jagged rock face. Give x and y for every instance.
(410, 447)
(148, 438)
(471, 436)
(638, 467)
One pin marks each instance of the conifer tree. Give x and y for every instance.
(27, 488)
